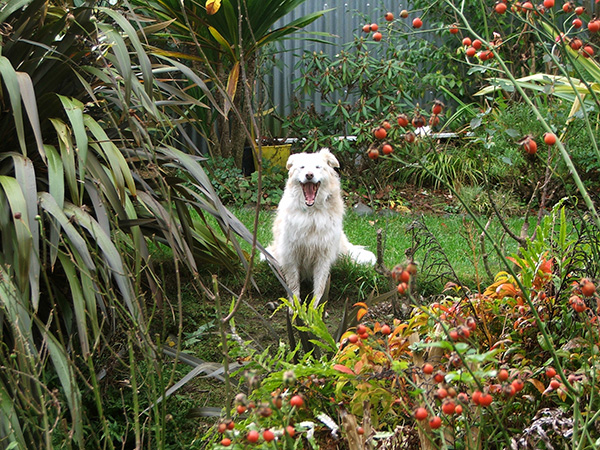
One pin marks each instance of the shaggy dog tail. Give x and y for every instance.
(357, 253)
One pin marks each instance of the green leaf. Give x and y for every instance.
(145, 65)
(9, 77)
(24, 243)
(111, 256)
(26, 177)
(68, 381)
(74, 110)
(79, 303)
(56, 182)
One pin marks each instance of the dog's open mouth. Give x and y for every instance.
(310, 192)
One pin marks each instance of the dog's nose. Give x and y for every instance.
(309, 176)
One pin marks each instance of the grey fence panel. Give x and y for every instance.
(343, 22)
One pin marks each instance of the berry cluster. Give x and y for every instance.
(418, 121)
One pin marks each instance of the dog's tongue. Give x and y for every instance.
(310, 192)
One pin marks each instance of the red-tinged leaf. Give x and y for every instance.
(538, 385)
(546, 266)
(513, 260)
(343, 369)
(232, 82)
(361, 313)
(364, 305)
(212, 6)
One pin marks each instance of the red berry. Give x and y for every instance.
(530, 146)
(439, 377)
(268, 435)
(453, 335)
(549, 138)
(367, 28)
(486, 400)
(360, 431)
(458, 409)
(377, 36)
(435, 422)
(380, 133)
(230, 425)
(587, 51)
(437, 107)
(518, 384)
(222, 427)
(471, 323)
(387, 149)
(554, 384)
(296, 401)
(588, 289)
(290, 430)
(441, 393)
(403, 120)
(568, 7)
(241, 409)
(579, 10)
(577, 23)
(594, 26)
(448, 407)
(225, 442)
(389, 16)
(427, 369)
(252, 436)
(527, 5)
(500, 7)
(373, 153)
(361, 329)
(386, 330)
(404, 14)
(548, 4)
(466, 41)
(374, 27)
(402, 288)
(503, 375)
(476, 397)
(353, 339)
(410, 137)
(417, 23)
(453, 29)
(421, 413)
(386, 124)
(576, 44)
(477, 44)
(550, 372)
(405, 276)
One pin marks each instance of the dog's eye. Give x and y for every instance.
(302, 167)
(318, 167)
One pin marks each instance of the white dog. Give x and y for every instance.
(307, 232)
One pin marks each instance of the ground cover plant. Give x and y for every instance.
(510, 366)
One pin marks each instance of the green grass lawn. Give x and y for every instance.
(457, 236)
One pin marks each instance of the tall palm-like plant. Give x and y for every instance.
(225, 39)
(93, 173)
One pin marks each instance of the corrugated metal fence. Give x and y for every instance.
(344, 21)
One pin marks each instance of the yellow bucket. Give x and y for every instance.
(277, 155)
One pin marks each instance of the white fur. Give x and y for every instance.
(308, 236)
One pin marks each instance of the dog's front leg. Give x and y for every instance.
(291, 273)
(320, 279)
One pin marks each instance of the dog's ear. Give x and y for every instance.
(290, 161)
(331, 160)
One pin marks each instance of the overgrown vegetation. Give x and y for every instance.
(135, 313)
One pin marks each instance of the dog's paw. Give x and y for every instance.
(361, 255)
